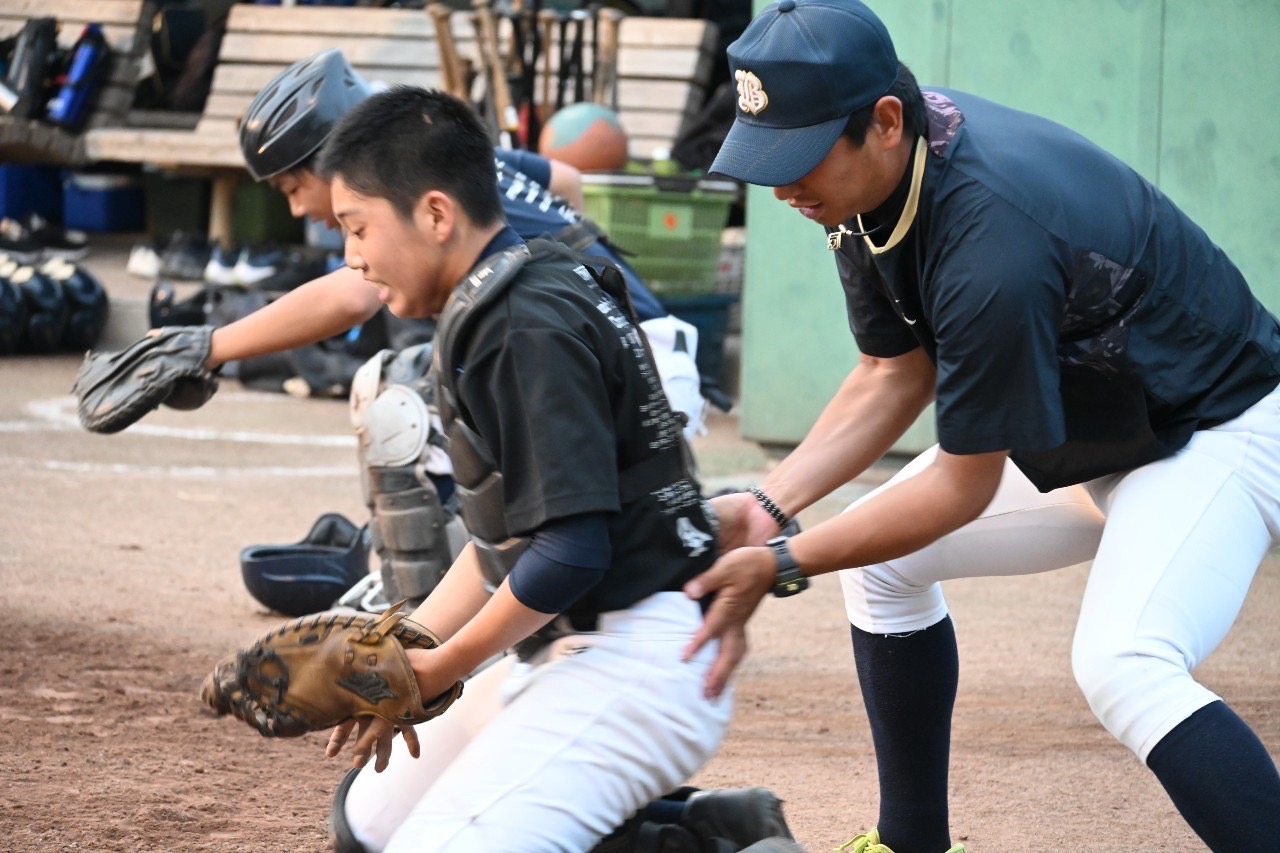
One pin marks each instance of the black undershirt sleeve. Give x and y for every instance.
(565, 558)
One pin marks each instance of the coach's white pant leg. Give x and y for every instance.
(1022, 531)
(608, 722)
(1184, 538)
(377, 803)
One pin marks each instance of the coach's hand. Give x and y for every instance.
(742, 521)
(738, 580)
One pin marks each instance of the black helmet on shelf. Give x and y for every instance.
(288, 121)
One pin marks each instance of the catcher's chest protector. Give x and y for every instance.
(478, 480)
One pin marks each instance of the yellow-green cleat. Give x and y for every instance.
(869, 842)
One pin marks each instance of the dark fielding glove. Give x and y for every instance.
(318, 671)
(115, 389)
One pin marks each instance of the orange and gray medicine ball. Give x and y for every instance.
(587, 136)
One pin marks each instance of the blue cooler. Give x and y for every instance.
(103, 203)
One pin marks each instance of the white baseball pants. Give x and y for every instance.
(554, 754)
(1175, 545)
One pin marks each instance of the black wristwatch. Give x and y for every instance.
(789, 580)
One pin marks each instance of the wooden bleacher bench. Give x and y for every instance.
(393, 45)
(125, 24)
(662, 68)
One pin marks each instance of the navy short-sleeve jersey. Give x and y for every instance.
(1076, 316)
(532, 211)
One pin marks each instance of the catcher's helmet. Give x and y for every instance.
(46, 310)
(13, 315)
(86, 300)
(309, 576)
(292, 116)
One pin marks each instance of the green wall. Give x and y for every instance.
(1180, 90)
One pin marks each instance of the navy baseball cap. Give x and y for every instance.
(802, 67)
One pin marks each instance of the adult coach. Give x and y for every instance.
(574, 484)
(1105, 386)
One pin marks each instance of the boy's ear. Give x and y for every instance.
(436, 213)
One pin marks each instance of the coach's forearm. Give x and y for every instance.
(312, 312)
(875, 405)
(944, 496)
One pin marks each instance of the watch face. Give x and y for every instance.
(790, 586)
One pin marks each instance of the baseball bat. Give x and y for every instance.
(495, 74)
(566, 60)
(580, 18)
(547, 19)
(452, 72)
(604, 84)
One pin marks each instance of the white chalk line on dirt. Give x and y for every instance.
(60, 414)
(193, 471)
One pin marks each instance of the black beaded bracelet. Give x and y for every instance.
(770, 507)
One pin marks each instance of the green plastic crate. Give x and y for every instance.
(671, 226)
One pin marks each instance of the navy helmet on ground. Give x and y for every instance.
(308, 576)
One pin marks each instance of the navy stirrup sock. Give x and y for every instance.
(909, 688)
(1221, 779)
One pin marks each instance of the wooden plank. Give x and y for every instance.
(165, 147)
(641, 32)
(330, 21)
(639, 94)
(103, 11)
(24, 140)
(665, 64)
(119, 37)
(215, 127)
(248, 79)
(652, 123)
(286, 48)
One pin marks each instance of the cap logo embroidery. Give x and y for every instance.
(751, 96)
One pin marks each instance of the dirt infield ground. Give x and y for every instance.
(133, 540)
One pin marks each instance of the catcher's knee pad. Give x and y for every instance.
(340, 833)
(411, 532)
(415, 536)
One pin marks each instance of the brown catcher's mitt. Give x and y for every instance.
(115, 389)
(318, 671)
